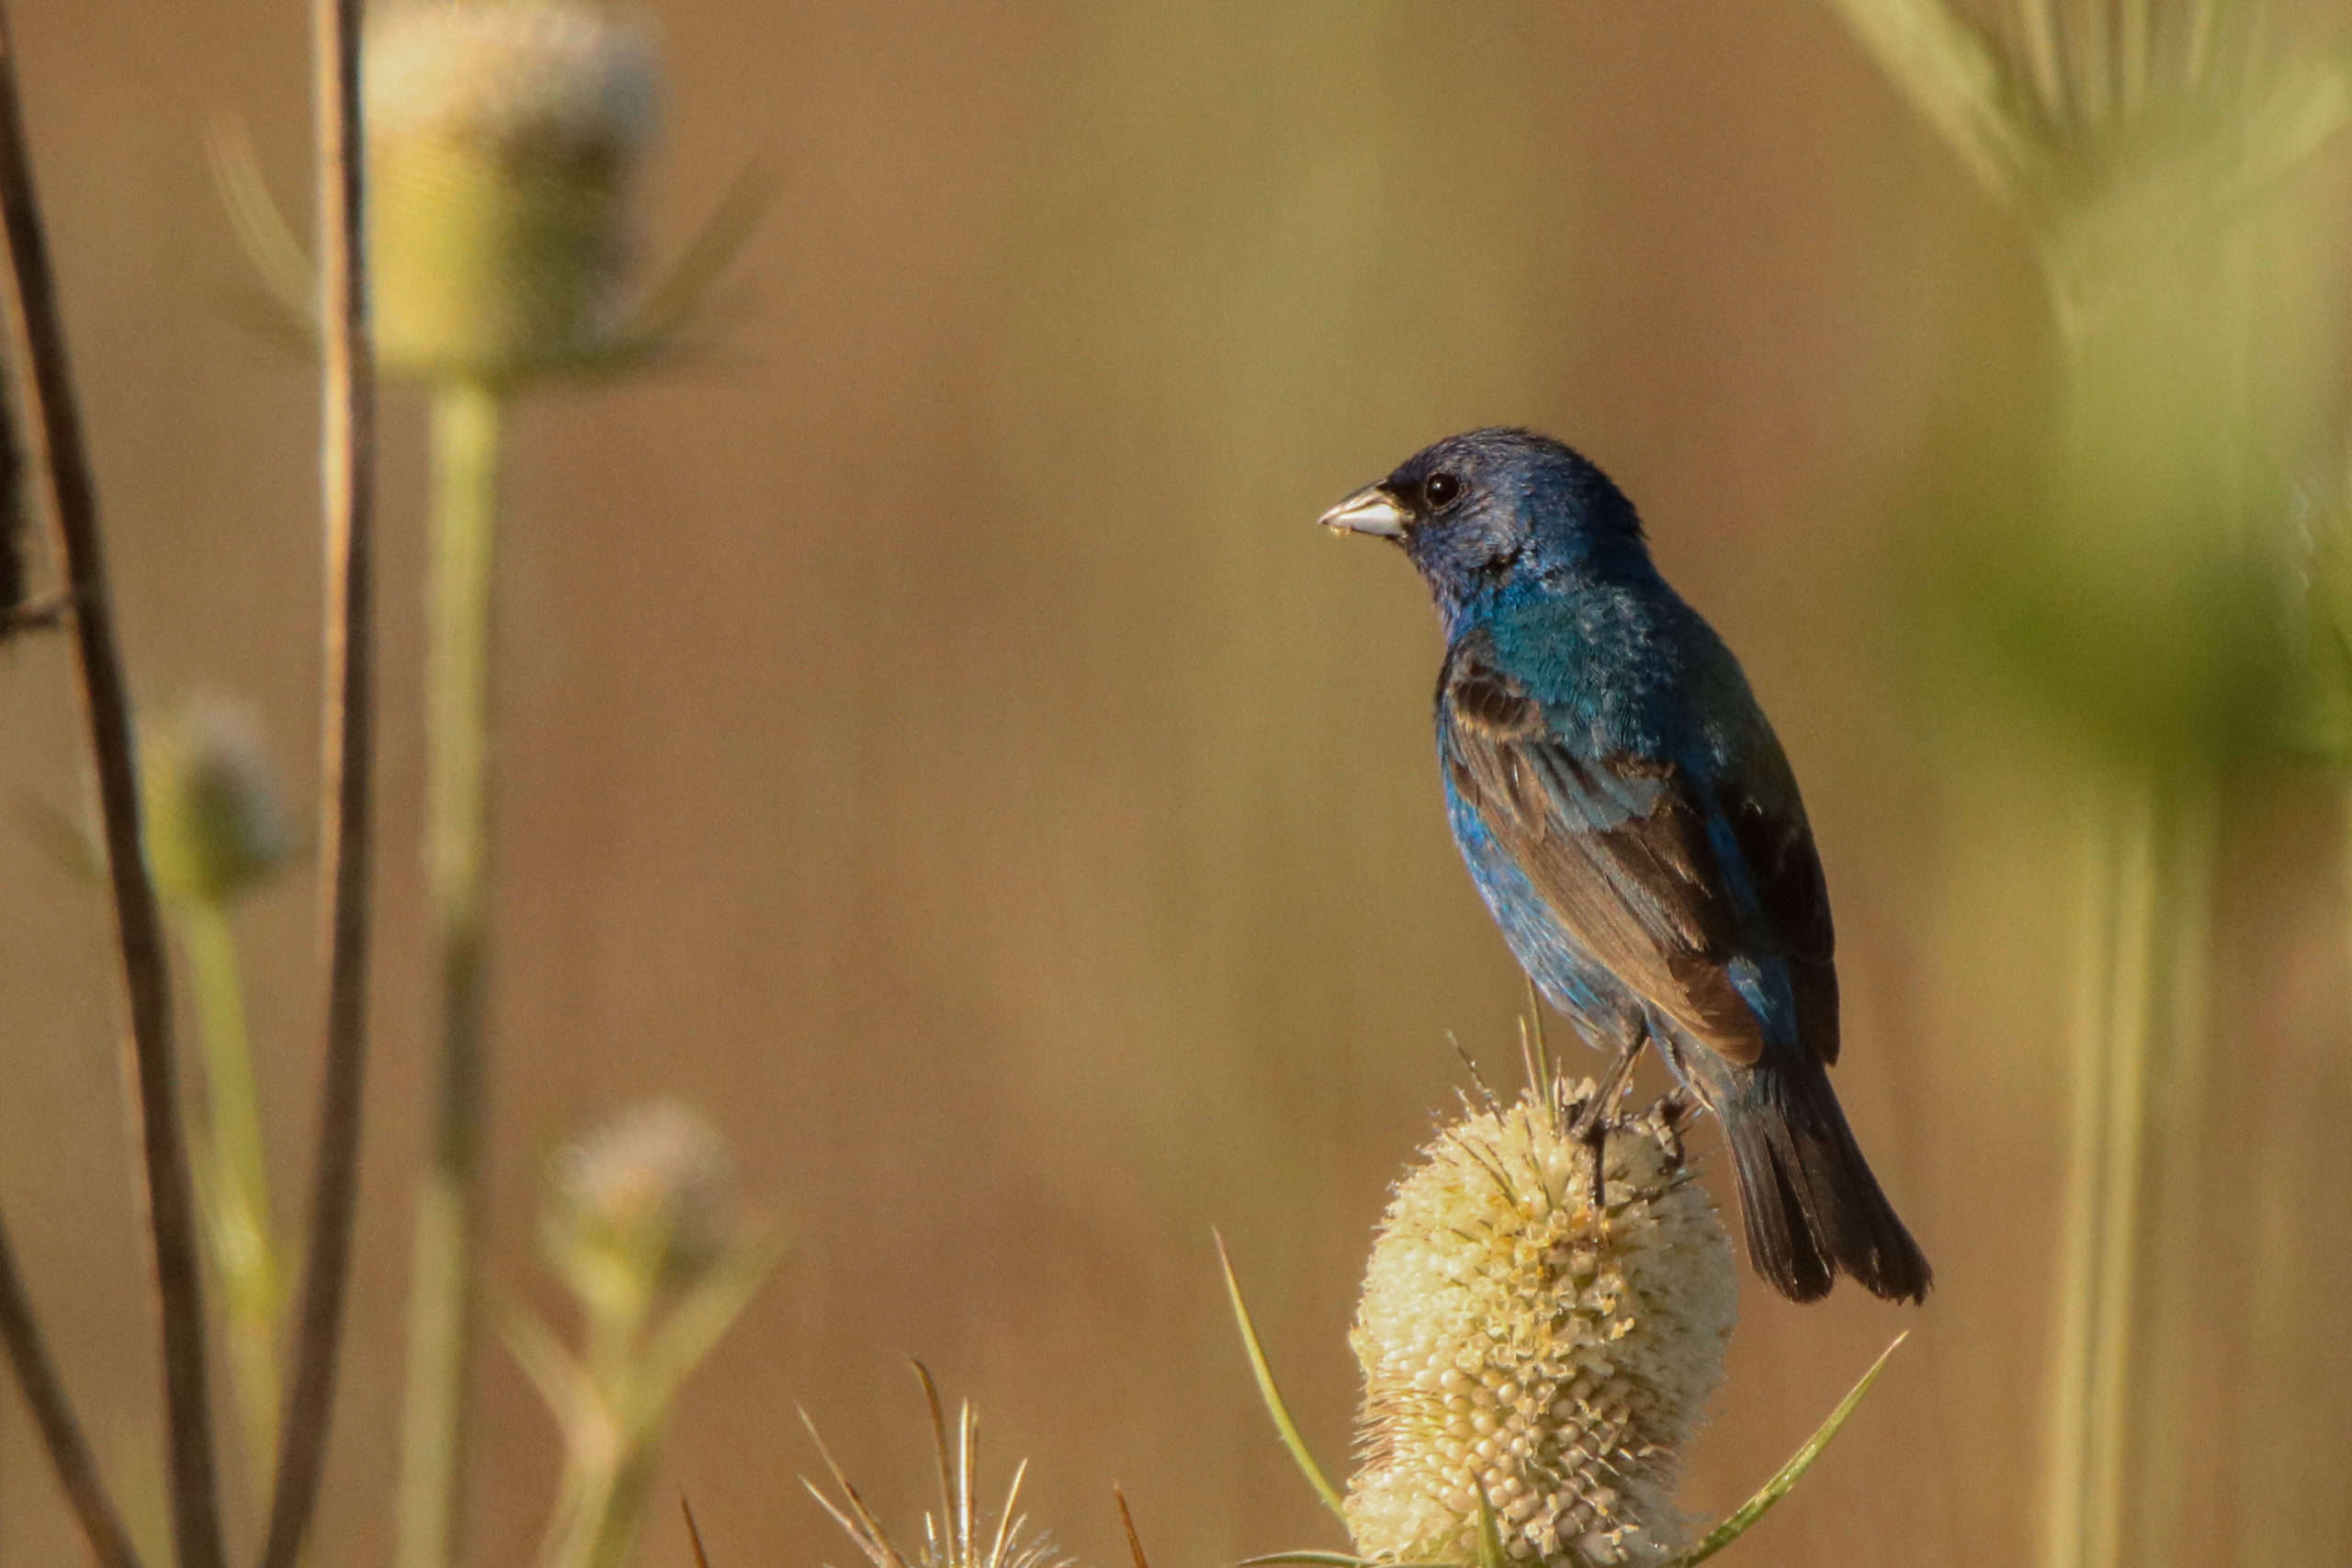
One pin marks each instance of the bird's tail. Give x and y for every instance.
(1813, 1208)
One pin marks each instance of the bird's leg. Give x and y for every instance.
(1593, 1125)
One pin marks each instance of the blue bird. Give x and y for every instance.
(1629, 818)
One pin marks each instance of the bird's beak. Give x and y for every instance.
(1370, 510)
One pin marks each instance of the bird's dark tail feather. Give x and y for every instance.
(1813, 1208)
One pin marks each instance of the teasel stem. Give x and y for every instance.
(54, 424)
(60, 1432)
(2138, 1054)
(2119, 1390)
(610, 1488)
(614, 1487)
(598, 1502)
(607, 1461)
(28, 1349)
(2083, 1512)
(468, 436)
(2176, 1271)
(245, 1262)
(347, 729)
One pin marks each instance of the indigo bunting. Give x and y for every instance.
(1629, 818)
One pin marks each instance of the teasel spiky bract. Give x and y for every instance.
(959, 1534)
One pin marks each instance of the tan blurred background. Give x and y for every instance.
(939, 746)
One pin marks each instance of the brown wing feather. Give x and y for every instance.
(1641, 894)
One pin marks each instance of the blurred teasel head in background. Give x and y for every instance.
(1526, 1352)
(2142, 575)
(644, 1228)
(506, 138)
(504, 141)
(2121, 135)
(645, 1206)
(216, 821)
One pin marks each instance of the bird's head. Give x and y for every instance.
(1482, 512)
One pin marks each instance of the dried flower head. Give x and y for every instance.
(643, 1206)
(216, 823)
(1520, 1347)
(501, 136)
(959, 1534)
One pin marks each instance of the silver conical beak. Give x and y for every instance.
(1370, 510)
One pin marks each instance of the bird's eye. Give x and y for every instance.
(1439, 489)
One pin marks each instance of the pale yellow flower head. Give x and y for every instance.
(1514, 1343)
(501, 137)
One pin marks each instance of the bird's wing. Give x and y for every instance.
(1620, 850)
(1783, 868)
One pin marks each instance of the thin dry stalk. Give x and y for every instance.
(1127, 1520)
(13, 574)
(53, 427)
(347, 737)
(69, 1452)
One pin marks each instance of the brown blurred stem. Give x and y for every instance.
(347, 459)
(468, 420)
(77, 1472)
(13, 575)
(53, 427)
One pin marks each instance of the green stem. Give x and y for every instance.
(242, 1244)
(607, 1461)
(624, 1502)
(468, 421)
(2138, 1033)
(2071, 1461)
(2177, 1275)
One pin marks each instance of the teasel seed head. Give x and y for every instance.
(216, 822)
(643, 1207)
(503, 139)
(1521, 1348)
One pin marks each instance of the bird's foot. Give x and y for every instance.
(1599, 1111)
(1597, 1118)
(1595, 1135)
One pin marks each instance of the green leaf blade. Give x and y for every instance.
(1490, 1536)
(1267, 1390)
(1756, 1507)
